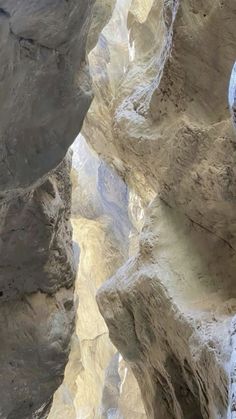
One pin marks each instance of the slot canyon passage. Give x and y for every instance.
(118, 249)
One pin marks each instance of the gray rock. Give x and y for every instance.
(35, 248)
(45, 93)
(36, 293)
(44, 85)
(35, 335)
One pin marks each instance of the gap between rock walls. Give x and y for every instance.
(117, 252)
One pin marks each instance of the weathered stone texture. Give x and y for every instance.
(45, 93)
(164, 123)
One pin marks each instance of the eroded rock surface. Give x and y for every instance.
(164, 124)
(36, 290)
(97, 384)
(160, 117)
(45, 88)
(167, 128)
(45, 94)
(34, 350)
(35, 251)
(169, 311)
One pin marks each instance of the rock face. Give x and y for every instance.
(45, 89)
(36, 276)
(168, 311)
(101, 14)
(35, 250)
(148, 120)
(164, 124)
(97, 382)
(160, 117)
(45, 94)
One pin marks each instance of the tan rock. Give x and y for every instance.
(97, 383)
(165, 126)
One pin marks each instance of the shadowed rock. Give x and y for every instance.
(44, 95)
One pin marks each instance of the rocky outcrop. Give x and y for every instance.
(168, 311)
(101, 14)
(36, 290)
(45, 90)
(164, 124)
(36, 253)
(45, 94)
(97, 382)
(160, 117)
(148, 120)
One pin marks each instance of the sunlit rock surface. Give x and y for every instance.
(162, 120)
(97, 382)
(168, 128)
(160, 117)
(169, 311)
(45, 93)
(101, 14)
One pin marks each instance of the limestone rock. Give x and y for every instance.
(168, 311)
(95, 377)
(36, 332)
(45, 93)
(165, 126)
(168, 129)
(35, 244)
(36, 291)
(102, 12)
(45, 86)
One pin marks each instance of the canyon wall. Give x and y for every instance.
(45, 93)
(161, 119)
